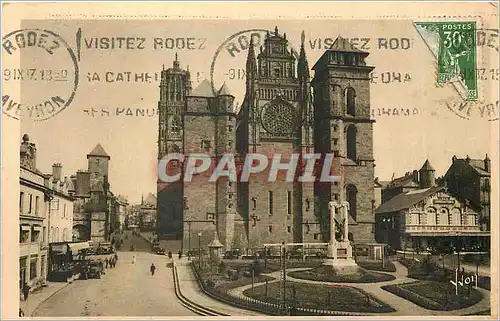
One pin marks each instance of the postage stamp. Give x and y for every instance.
(250, 160)
(454, 45)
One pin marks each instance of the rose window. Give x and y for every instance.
(279, 119)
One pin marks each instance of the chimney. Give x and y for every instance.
(56, 172)
(415, 176)
(487, 164)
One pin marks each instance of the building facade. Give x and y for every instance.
(147, 216)
(45, 215)
(91, 218)
(33, 234)
(283, 112)
(429, 217)
(471, 179)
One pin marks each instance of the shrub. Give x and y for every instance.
(222, 267)
(258, 267)
(210, 284)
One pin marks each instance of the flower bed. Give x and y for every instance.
(329, 274)
(434, 295)
(311, 296)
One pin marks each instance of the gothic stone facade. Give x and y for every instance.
(280, 114)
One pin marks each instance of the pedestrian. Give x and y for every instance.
(116, 257)
(26, 291)
(21, 313)
(133, 260)
(107, 263)
(152, 269)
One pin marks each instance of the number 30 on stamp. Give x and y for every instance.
(454, 46)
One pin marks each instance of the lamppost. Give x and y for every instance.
(199, 250)
(457, 246)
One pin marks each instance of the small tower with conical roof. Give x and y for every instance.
(427, 175)
(98, 162)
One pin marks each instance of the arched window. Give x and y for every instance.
(432, 217)
(444, 217)
(351, 142)
(350, 101)
(337, 98)
(175, 125)
(351, 195)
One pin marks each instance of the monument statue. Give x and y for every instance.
(339, 252)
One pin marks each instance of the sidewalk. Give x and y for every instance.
(401, 305)
(190, 288)
(35, 299)
(146, 236)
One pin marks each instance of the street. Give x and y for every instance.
(127, 290)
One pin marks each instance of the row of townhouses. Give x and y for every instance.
(59, 214)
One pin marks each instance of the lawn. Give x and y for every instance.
(215, 276)
(435, 295)
(336, 298)
(388, 266)
(328, 274)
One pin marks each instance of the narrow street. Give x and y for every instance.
(127, 290)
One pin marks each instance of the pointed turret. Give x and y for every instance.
(224, 90)
(303, 65)
(251, 65)
(427, 178)
(204, 89)
(487, 163)
(98, 151)
(176, 61)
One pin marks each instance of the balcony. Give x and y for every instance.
(449, 230)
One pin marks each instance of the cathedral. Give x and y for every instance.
(284, 111)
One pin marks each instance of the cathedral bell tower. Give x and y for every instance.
(343, 127)
(175, 85)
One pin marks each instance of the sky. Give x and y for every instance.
(433, 130)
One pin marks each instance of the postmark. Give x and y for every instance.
(40, 74)
(234, 46)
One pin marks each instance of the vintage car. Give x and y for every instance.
(160, 251)
(93, 270)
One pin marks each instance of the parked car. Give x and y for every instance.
(233, 254)
(159, 251)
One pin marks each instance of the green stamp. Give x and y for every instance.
(454, 46)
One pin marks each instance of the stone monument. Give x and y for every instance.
(339, 253)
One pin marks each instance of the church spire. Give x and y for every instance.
(251, 65)
(176, 61)
(303, 65)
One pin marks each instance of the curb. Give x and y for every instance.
(47, 298)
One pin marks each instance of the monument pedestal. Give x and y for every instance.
(339, 253)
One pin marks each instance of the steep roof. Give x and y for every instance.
(341, 44)
(427, 166)
(204, 89)
(98, 151)
(405, 200)
(478, 165)
(150, 200)
(224, 90)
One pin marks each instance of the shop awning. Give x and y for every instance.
(75, 247)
